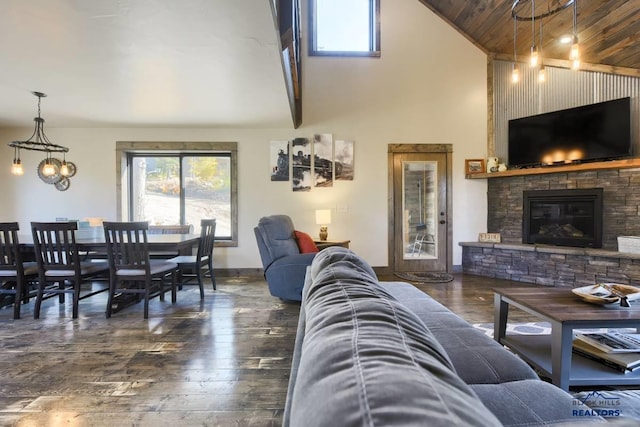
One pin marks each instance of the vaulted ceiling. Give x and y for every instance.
(217, 63)
(143, 63)
(608, 31)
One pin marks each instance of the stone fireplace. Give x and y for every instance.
(566, 217)
(553, 263)
(620, 201)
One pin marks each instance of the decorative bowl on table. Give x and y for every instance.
(605, 293)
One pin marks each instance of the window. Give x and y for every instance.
(169, 186)
(344, 27)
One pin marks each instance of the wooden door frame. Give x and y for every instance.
(419, 149)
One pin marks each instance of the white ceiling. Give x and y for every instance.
(152, 63)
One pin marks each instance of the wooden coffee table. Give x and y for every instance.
(552, 355)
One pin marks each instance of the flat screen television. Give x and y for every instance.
(589, 133)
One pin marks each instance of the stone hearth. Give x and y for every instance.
(550, 265)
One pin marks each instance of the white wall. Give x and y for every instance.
(429, 86)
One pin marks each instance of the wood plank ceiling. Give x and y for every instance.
(608, 31)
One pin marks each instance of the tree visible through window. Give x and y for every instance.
(344, 27)
(181, 188)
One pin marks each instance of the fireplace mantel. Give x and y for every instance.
(612, 164)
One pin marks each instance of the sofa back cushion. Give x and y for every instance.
(367, 360)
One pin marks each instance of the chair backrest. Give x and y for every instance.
(10, 256)
(127, 245)
(55, 245)
(207, 237)
(276, 238)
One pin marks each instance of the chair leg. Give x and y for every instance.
(76, 298)
(17, 301)
(61, 294)
(174, 296)
(213, 278)
(199, 278)
(162, 287)
(146, 298)
(112, 292)
(39, 295)
(179, 277)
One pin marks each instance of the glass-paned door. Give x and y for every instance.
(421, 238)
(420, 207)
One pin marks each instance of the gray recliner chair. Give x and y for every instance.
(284, 266)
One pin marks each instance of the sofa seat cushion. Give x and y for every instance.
(368, 360)
(533, 402)
(477, 358)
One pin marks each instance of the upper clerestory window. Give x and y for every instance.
(344, 27)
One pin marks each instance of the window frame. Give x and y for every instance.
(374, 28)
(126, 150)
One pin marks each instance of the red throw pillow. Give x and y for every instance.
(305, 243)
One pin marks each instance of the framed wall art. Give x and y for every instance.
(473, 166)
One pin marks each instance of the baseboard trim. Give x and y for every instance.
(259, 273)
(239, 272)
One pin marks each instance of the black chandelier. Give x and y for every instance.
(50, 170)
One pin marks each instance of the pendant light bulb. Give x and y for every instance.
(16, 168)
(542, 74)
(515, 74)
(64, 168)
(48, 169)
(533, 60)
(574, 55)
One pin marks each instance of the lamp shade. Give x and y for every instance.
(323, 216)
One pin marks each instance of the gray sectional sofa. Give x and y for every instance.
(386, 354)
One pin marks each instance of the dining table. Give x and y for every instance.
(181, 244)
(94, 246)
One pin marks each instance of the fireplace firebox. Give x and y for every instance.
(570, 217)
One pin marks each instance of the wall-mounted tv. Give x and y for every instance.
(589, 133)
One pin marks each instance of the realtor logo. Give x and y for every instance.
(599, 404)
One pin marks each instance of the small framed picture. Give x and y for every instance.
(472, 166)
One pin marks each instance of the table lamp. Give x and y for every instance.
(323, 218)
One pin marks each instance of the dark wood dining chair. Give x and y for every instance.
(193, 266)
(59, 263)
(15, 275)
(130, 265)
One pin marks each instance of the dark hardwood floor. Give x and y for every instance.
(221, 362)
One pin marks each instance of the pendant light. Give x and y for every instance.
(16, 168)
(574, 55)
(515, 72)
(50, 170)
(542, 73)
(533, 60)
(521, 12)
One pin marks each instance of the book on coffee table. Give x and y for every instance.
(622, 362)
(613, 342)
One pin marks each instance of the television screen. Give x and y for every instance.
(592, 132)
